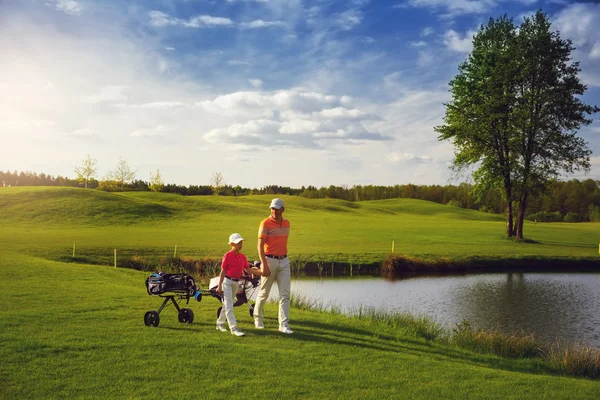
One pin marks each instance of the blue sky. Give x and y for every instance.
(292, 92)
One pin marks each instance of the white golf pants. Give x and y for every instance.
(280, 273)
(230, 288)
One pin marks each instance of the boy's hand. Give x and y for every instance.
(219, 289)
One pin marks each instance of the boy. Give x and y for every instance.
(232, 268)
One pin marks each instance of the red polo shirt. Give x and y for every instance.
(234, 264)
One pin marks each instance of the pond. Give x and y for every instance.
(554, 306)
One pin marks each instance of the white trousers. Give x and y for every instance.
(280, 273)
(230, 288)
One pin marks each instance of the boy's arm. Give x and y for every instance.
(221, 277)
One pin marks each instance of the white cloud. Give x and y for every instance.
(108, 93)
(349, 19)
(289, 118)
(81, 132)
(455, 7)
(67, 6)
(406, 157)
(156, 105)
(427, 31)
(259, 23)
(160, 19)
(595, 51)
(159, 130)
(207, 20)
(579, 22)
(257, 83)
(455, 43)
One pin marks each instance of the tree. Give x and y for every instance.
(87, 170)
(156, 182)
(121, 174)
(217, 180)
(514, 112)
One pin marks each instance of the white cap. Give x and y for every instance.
(235, 238)
(276, 203)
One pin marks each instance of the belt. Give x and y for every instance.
(231, 279)
(277, 257)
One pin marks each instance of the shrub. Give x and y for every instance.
(573, 217)
(519, 345)
(138, 263)
(593, 213)
(545, 216)
(575, 360)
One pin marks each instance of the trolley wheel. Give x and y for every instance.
(252, 310)
(186, 315)
(219, 312)
(151, 318)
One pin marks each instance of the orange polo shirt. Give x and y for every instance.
(275, 235)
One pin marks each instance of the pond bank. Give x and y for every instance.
(399, 266)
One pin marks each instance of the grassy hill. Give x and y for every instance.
(48, 221)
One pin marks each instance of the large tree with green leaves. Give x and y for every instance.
(515, 112)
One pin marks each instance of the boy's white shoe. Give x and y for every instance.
(286, 330)
(258, 325)
(221, 328)
(237, 332)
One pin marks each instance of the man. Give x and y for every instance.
(273, 234)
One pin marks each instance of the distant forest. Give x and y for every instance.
(568, 201)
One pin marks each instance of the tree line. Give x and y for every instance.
(570, 201)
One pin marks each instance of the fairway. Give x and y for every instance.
(75, 330)
(47, 222)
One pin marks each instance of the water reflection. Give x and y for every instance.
(551, 305)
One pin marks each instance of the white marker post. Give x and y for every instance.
(73, 250)
(175, 252)
(115, 258)
(393, 246)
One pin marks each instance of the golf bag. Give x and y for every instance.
(161, 282)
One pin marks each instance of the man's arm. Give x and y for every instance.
(263, 259)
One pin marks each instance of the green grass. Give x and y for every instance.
(47, 221)
(76, 331)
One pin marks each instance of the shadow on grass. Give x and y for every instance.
(348, 336)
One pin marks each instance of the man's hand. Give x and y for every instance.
(265, 269)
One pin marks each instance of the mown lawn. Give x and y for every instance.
(47, 222)
(76, 331)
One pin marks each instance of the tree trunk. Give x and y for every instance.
(510, 230)
(521, 216)
(509, 220)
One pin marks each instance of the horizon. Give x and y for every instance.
(282, 92)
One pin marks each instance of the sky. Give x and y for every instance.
(264, 92)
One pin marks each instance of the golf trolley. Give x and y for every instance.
(177, 287)
(247, 286)
(171, 287)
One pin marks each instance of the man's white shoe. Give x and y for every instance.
(286, 330)
(259, 325)
(221, 328)
(237, 332)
